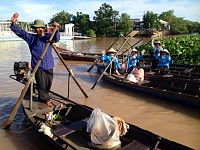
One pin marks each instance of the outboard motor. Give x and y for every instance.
(21, 70)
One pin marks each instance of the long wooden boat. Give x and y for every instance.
(169, 87)
(77, 56)
(68, 129)
(184, 74)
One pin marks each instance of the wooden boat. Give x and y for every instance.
(77, 56)
(184, 74)
(169, 87)
(68, 129)
(81, 37)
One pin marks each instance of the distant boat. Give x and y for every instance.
(66, 37)
(81, 37)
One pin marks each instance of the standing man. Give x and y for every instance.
(37, 43)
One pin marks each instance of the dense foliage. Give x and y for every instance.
(81, 22)
(186, 47)
(125, 24)
(106, 22)
(150, 21)
(91, 33)
(177, 25)
(62, 18)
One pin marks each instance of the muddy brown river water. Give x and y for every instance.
(173, 121)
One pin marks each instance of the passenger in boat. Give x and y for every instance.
(115, 65)
(37, 42)
(164, 59)
(133, 58)
(157, 47)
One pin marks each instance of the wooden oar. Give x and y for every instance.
(100, 56)
(132, 45)
(69, 70)
(109, 63)
(14, 111)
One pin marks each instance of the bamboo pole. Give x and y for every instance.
(109, 63)
(69, 70)
(100, 56)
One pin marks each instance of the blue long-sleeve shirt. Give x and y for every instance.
(133, 61)
(36, 45)
(163, 61)
(108, 59)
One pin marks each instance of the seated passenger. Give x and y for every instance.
(164, 59)
(133, 58)
(115, 66)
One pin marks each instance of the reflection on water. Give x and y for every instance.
(170, 120)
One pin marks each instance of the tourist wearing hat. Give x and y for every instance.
(37, 43)
(133, 58)
(110, 54)
(157, 47)
(164, 59)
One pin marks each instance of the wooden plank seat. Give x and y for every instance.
(119, 77)
(192, 89)
(165, 84)
(135, 146)
(66, 130)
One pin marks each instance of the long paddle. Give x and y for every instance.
(14, 111)
(100, 56)
(69, 70)
(109, 63)
(132, 45)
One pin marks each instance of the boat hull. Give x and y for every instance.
(178, 97)
(68, 135)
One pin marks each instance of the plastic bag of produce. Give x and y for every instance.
(104, 130)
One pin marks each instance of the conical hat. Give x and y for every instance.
(111, 50)
(134, 50)
(157, 42)
(164, 50)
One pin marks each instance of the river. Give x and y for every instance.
(170, 120)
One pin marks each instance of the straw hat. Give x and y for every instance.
(165, 50)
(111, 50)
(157, 42)
(38, 24)
(134, 50)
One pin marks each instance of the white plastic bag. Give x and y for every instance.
(131, 78)
(138, 73)
(104, 131)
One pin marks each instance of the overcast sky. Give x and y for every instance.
(30, 10)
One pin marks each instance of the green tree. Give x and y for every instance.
(91, 33)
(81, 22)
(179, 25)
(125, 24)
(105, 19)
(150, 20)
(167, 16)
(62, 18)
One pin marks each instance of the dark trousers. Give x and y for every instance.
(114, 67)
(155, 63)
(44, 80)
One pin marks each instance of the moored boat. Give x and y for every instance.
(169, 87)
(77, 56)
